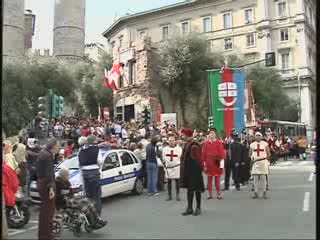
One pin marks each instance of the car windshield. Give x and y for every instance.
(71, 163)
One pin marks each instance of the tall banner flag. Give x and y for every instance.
(227, 94)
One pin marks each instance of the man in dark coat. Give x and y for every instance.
(234, 162)
(46, 188)
(245, 166)
(191, 172)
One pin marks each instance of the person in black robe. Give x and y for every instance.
(234, 162)
(191, 172)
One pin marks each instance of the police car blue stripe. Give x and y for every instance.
(74, 174)
(119, 178)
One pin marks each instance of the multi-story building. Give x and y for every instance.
(93, 51)
(252, 27)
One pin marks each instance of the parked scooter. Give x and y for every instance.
(19, 215)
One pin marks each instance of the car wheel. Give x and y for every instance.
(138, 187)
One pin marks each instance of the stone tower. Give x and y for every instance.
(13, 27)
(68, 30)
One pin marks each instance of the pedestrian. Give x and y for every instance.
(212, 154)
(234, 162)
(260, 154)
(20, 154)
(69, 148)
(90, 167)
(4, 234)
(245, 167)
(302, 148)
(191, 172)
(152, 153)
(171, 158)
(161, 172)
(9, 157)
(46, 188)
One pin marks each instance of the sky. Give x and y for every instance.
(100, 14)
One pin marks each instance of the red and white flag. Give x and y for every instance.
(112, 78)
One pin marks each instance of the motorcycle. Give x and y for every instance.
(19, 215)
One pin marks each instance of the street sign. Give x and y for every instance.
(270, 59)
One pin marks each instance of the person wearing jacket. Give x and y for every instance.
(20, 154)
(46, 188)
(152, 166)
(90, 168)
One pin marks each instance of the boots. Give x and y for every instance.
(255, 196)
(188, 211)
(169, 198)
(264, 195)
(197, 212)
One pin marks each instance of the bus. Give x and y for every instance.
(292, 129)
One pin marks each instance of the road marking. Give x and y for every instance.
(311, 177)
(303, 163)
(284, 164)
(306, 201)
(34, 221)
(33, 228)
(17, 232)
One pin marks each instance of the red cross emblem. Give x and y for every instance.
(227, 93)
(258, 150)
(171, 155)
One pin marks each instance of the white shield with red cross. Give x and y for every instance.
(227, 93)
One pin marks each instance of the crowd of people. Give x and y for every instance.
(168, 155)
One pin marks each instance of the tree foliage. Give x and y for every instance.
(93, 91)
(272, 102)
(24, 80)
(183, 61)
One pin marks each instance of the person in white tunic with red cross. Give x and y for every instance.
(260, 154)
(171, 158)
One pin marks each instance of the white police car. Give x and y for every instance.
(121, 171)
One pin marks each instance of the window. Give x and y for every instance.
(121, 81)
(227, 43)
(250, 40)
(284, 34)
(185, 27)
(282, 9)
(165, 32)
(111, 161)
(142, 34)
(120, 42)
(227, 20)
(207, 24)
(284, 60)
(311, 16)
(135, 158)
(126, 159)
(132, 72)
(248, 14)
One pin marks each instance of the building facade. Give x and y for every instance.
(252, 27)
(93, 51)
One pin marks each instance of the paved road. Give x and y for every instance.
(289, 213)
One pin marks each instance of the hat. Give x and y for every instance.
(258, 134)
(187, 132)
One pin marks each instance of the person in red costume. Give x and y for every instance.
(212, 154)
(191, 169)
(10, 184)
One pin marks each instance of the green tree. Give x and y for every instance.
(183, 77)
(272, 102)
(93, 91)
(24, 80)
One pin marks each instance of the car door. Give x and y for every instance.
(111, 178)
(128, 170)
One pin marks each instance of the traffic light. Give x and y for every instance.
(147, 115)
(43, 105)
(270, 59)
(57, 105)
(210, 122)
